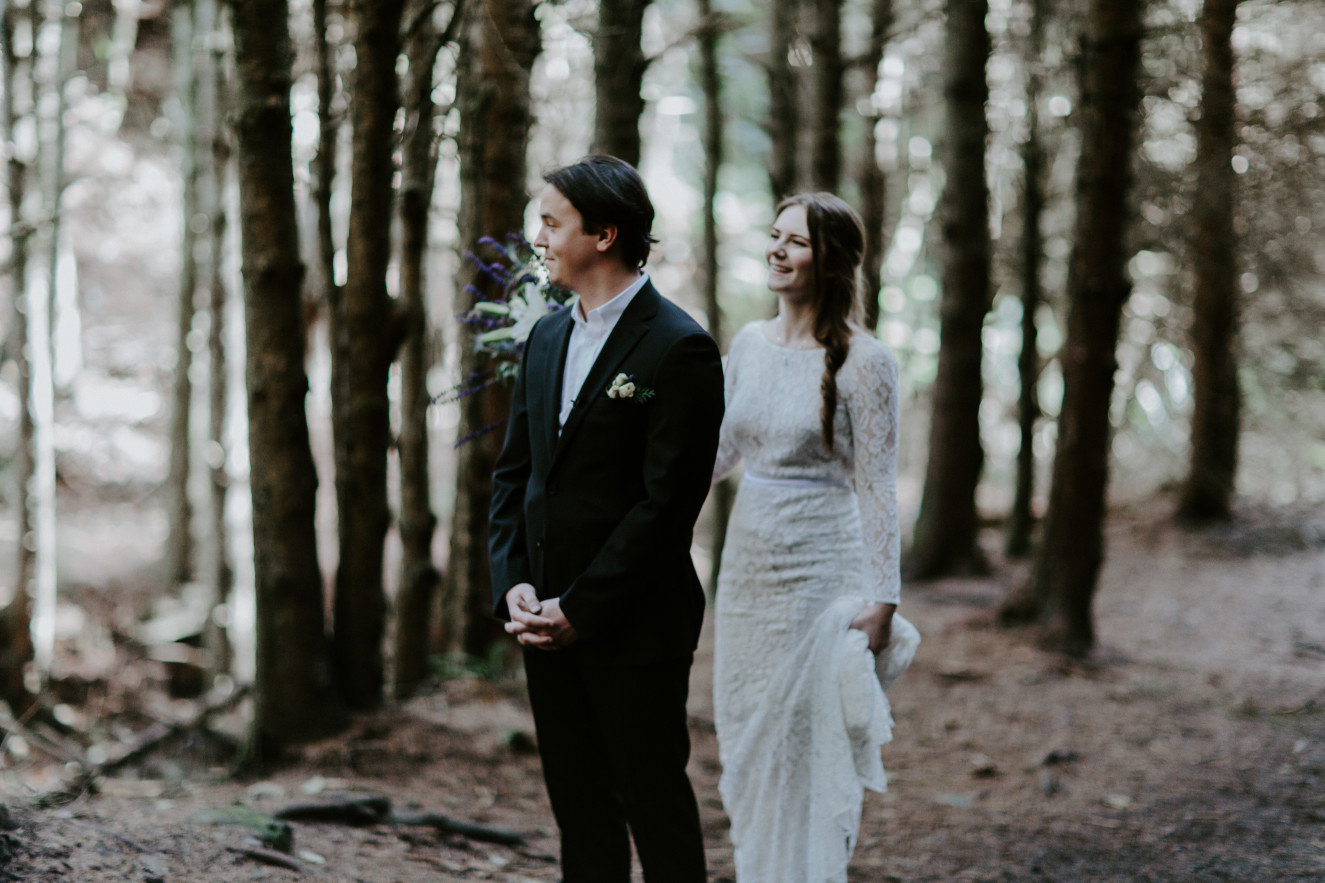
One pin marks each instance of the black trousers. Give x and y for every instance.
(614, 746)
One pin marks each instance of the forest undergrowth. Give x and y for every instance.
(1190, 747)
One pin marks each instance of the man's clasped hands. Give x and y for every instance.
(536, 623)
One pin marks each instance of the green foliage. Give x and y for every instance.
(497, 665)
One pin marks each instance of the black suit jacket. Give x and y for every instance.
(602, 516)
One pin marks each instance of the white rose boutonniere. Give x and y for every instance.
(624, 387)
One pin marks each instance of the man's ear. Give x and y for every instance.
(606, 238)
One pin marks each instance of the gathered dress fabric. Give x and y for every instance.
(812, 539)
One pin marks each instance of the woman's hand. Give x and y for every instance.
(876, 621)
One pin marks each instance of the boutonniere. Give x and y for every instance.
(624, 387)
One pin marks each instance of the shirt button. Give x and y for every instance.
(552, 490)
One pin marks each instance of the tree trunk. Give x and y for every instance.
(295, 699)
(783, 99)
(828, 72)
(40, 337)
(373, 326)
(711, 84)
(418, 575)
(619, 65)
(16, 650)
(1021, 520)
(1207, 493)
(179, 544)
(946, 531)
(1071, 548)
(873, 185)
(214, 156)
(501, 44)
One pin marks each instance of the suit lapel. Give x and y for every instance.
(630, 328)
(544, 416)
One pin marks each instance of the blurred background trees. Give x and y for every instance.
(268, 489)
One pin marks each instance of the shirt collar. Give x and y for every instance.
(607, 315)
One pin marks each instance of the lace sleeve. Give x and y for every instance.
(873, 410)
(728, 454)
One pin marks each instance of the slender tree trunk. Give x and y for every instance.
(783, 110)
(873, 184)
(945, 535)
(1071, 549)
(295, 698)
(828, 73)
(373, 326)
(1021, 519)
(418, 575)
(711, 84)
(40, 337)
(215, 159)
(501, 44)
(619, 65)
(16, 650)
(179, 544)
(1207, 493)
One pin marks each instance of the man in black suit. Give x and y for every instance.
(607, 461)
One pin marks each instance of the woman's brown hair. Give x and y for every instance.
(837, 238)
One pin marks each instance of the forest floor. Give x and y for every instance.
(1191, 747)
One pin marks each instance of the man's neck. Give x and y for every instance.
(604, 285)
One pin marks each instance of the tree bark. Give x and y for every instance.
(783, 112)
(619, 65)
(1067, 563)
(711, 85)
(873, 183)
(1208, 491)
(16, 650)
(502, 41)
(295, 699)
(373, 328)
(41, 336)
(214, 156)
(946, 531)
(179, 544)
(828, 73)
(418, 575)
(1021, 520)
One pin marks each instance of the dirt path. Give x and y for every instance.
(1193, 748)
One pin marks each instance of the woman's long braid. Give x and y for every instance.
(838, 239)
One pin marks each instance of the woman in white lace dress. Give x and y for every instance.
(809, 572)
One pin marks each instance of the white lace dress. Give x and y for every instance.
(808, 528)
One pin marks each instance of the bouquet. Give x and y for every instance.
(503, 323)
(527, 295)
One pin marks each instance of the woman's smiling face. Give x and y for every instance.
(790, 256)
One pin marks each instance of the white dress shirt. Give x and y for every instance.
(587, 337)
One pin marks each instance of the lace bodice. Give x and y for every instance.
(772, 424)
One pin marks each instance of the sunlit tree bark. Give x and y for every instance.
(873, 184)
(295, 698)
(502, 40)
(1212, 470)
(214, 157)
(1071, 549)
(373, 326)
(619, 65)
(16, 650)
(945, 534)
(1020, 520)
(179, 545)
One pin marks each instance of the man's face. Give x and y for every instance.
(568, 250)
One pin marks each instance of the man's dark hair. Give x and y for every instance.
(608, 192)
